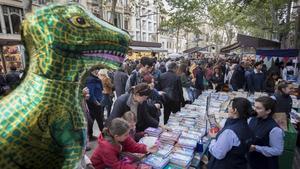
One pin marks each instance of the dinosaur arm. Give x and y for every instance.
(71, 140)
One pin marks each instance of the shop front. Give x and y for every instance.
(12, 53)
(139, 49)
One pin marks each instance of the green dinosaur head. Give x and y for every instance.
(64, 40)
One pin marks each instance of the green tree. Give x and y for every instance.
(182, 18)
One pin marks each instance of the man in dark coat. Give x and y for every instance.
(95, 87)
(255, 80)
(3, 83)
(13, 77)
(170, 83)
(238, 77)
(120, 79)
(129, 102)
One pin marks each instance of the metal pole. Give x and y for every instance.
(140, 21)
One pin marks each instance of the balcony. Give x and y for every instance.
(127, 10)
(93, 2)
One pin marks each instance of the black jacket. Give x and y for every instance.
(13, 78)
(170, 83)
(284, 103)
(144, 118)
(238, 78)
(120, 79)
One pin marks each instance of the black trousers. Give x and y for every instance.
(170, 106)
(96, 113)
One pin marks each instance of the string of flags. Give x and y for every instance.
(282, 54)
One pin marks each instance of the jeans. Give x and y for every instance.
(96, 113)
(107, 103)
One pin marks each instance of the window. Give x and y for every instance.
(144, 25)
(149, 14)
(137, 24)
(154, 18)
(154, 27)
(138, 36)
(143, 11)
(40, 2)
(118, 20)
(126, 24)
(150, 26)
(12, 19)
(74, 1)
(144, 36)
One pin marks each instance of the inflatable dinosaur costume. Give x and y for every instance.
(41, 122)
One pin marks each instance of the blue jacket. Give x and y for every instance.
(255, 81)
(95, 87)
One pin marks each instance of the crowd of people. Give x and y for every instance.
(10, 80)
(127, 101)
(143, 88)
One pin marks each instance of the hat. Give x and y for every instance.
(103, 72)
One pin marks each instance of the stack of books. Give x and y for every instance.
(165, 150)
(183, 151)
(191, 135)
(148, 141)
(156, 162)
(154, 132)
(187, 143)
(169, 137)
(180, 160)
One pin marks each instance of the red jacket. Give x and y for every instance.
(106, 155)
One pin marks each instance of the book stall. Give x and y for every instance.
(185, 142)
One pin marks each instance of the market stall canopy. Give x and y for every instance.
(196, 49)
(279, 53)
(245, 41)
(141, 46)
(9, 39)
(174, 55)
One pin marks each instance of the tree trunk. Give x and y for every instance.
(285, 39)
(297, 31)
(100, 2)
(27, 4)
(177, 40)
(187, 41)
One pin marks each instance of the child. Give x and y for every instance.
(131, 119)
(114, 140)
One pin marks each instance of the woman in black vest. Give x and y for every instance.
(232, 143)
(268, 142)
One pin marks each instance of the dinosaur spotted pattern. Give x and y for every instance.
(41, 121)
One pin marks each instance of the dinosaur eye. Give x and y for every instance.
(79, 22)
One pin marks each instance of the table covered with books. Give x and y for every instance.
(185, 142)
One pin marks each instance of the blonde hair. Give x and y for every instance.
(129, 117)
